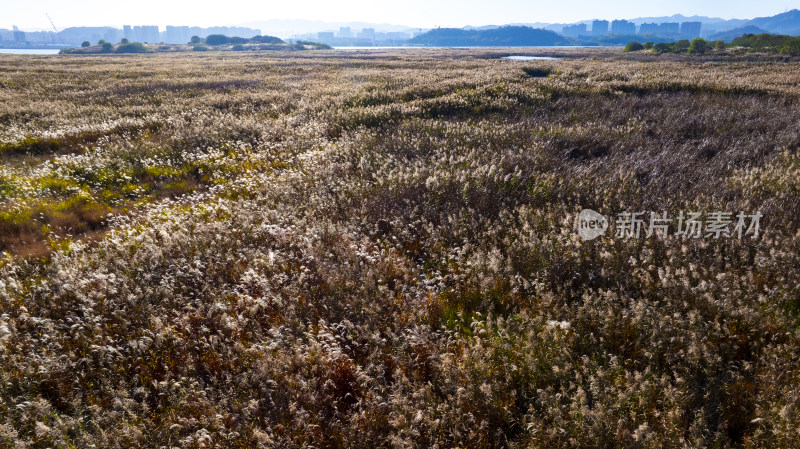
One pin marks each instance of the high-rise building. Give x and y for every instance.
(146, 33)
(669, 28)
(112, 35)
(344, 32)
(691, 30)
(366, 33)
(19, 36)
(574, 30)
(648, 28)
(599, 27)
(177, 34)
(623, 28)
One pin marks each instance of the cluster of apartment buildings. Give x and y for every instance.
(15, 35)
(182, 34)
(74, 36)
(687, 30)
(347, 37)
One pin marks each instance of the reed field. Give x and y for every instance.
(364, 249)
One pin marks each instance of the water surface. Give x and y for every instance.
(29, 51)
(530, 58)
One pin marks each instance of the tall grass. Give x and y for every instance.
(379, 250)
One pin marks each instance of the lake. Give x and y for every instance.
(29, 51)
(530, 58)
(481, 47)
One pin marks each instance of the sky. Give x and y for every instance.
(30, 14)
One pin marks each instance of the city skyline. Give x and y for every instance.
(414, 13)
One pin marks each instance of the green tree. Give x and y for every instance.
(216, 39)
(107, 47)
(648, 45)
(698, 46)
(124, 41)
(238, 47)
(86, 44)
(719, 45)
(682, 44)
(266, 40)
(634, 46)
(195, 40)
(791, 47)
(101, 42)
(662, 48)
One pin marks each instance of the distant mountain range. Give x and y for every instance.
(730, 35)
(507, 36)
(713, 27)
(537, 34)
(783, 23)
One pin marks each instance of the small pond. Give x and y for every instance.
(530, 58)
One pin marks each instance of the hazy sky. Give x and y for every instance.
(416, 13)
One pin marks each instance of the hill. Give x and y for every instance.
(507, 36)
(769, 43)
(784, 23)
(730, 35)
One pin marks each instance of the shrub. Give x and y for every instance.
(131, 47)
(85, 44)
(199, 48)
(238, 47)
(648, 45)
(316, 45)
(634, 46)
(537, 72)
(107, 47)
(124, 41)
(195, 40)
(719, 45)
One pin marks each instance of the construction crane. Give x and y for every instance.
(54, 28)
